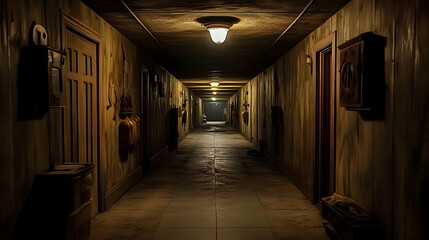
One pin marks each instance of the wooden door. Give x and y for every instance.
(80, 98)
(325, 139)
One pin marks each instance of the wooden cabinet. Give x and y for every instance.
(59, 206)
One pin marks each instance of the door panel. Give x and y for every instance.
(80, 99)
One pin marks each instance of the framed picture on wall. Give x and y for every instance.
(360, 72)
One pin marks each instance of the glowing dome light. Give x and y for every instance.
(214, 93)
(218, 34)
(214, 84)
(218, 26)
(214, 99)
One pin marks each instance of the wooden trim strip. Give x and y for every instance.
(294, 21)
(305, 187)
(158, 156)
(116, 192)
(141, 23)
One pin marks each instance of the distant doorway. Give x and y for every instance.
(324, 167)
(215, 110)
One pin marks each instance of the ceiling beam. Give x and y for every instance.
(294, 21)
(140, 22)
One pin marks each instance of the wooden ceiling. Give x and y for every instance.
(183, 46)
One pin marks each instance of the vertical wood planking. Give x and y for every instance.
(421, 118)
(27, 149)
(366, 149)
(23, 131)
(404, 141)
(384, 25)
(6, 121)
(365, 127)
(351, 117)
(342, 164)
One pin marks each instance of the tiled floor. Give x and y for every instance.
(211, 188)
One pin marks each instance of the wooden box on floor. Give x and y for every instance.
(341, 227)
(59, 206)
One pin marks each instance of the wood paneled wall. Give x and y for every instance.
(379, 163)
(25, 145)
(159, 107)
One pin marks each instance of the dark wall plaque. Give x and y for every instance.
(360, 72)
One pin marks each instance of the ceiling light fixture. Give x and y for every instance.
(218, 26)
(214, 99)
(214, 93)
(218, 32)
(214, 84)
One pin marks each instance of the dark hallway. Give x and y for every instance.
(214, 119)
(215, 186)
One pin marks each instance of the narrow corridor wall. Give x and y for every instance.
(175, 95)
(382, 164)
(25, 145)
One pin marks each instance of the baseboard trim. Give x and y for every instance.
(158, 156)
(116, 192)
(184, 135)
(305, 187)
(246, 137)
(271, 157)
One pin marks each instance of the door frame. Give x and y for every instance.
(331, 40)
(69, 22)
(144, 116)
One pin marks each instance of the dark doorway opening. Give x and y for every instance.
(144, 123)
(324, 177)
(215, 109)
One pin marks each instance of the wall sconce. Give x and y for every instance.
(153, 79)
(310, 62)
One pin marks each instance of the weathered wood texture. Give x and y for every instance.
(380, 163)
(25, 145)
(159, 106)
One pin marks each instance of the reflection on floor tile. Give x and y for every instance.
(211, 188)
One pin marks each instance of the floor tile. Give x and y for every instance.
(241, 218)
(114, 233)
(142, 203)
(189, 218)
(211, 186)
(300, 233)
(245, 234)
(185, 234)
